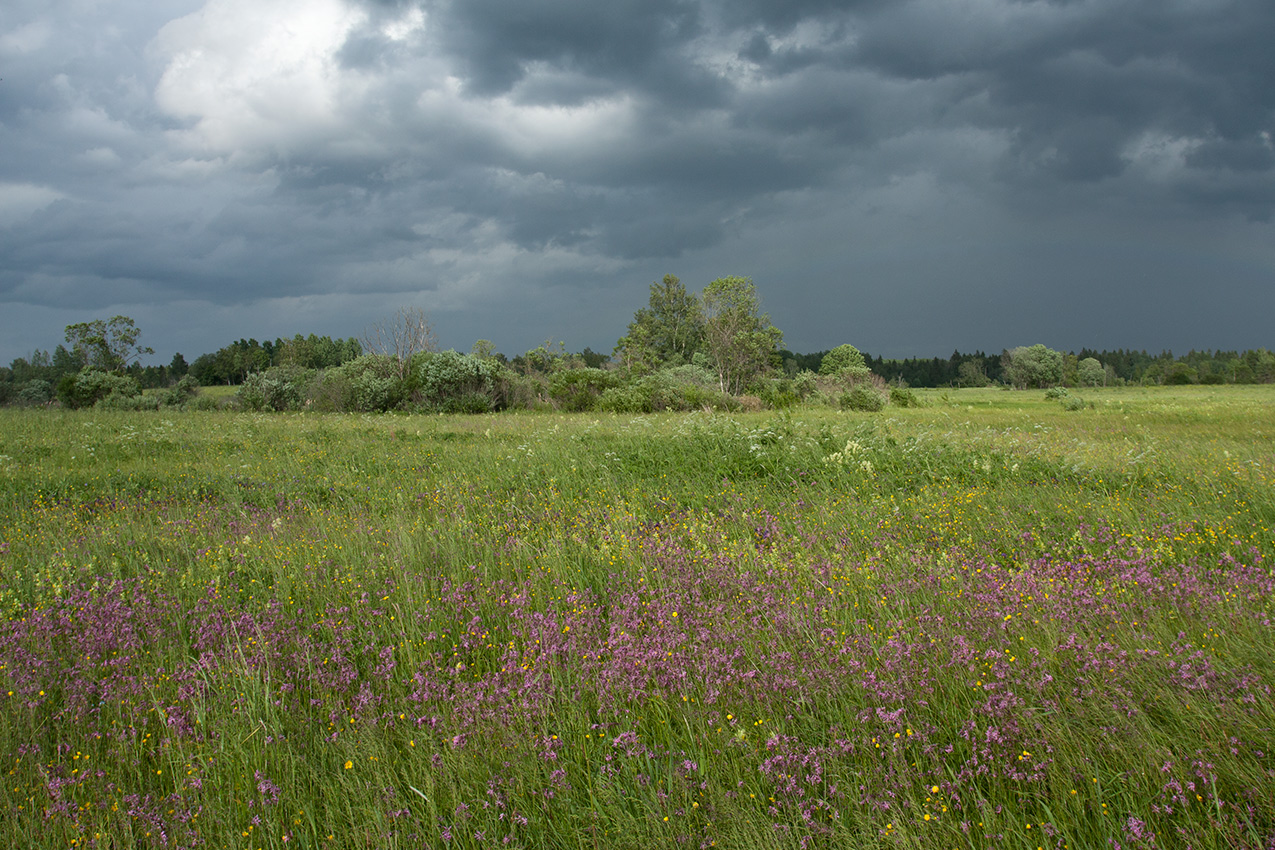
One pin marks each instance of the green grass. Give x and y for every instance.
(759, 630)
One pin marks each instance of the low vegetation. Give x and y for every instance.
(974, 619)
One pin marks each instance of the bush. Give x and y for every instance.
(1074, 402)
(180, 394)
(452, 382)
(578, 390)
(34, 392)
(278, 388)
(123, 401)
(203, 402)
(329, 392)
(89, 386)
(370, 383)
(863, 397)
(903, 397)
(1181, 374)
(1056, 393)
(624, 399)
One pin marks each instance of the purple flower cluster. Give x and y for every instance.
(823, 696)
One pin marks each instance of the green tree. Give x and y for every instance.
(107, 344)
(1089, 372)
(971, 374)
(843, 359)
(740, 340)
(636, 349)
(1032, 366)
(484, 349)
(667, 332)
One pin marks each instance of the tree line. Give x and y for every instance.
(716, 349)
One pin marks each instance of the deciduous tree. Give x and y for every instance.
(1033, 366)
(739, 338)
(107, 344)
(667, 332)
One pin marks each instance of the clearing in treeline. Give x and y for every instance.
(984, 621)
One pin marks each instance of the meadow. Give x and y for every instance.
(985, 622)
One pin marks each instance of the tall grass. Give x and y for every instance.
(985, 622)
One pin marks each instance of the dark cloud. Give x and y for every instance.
(513, 162)
(624, 41)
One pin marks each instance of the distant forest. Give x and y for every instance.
(1121, 367)
(681, 351)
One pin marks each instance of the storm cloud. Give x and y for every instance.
(910, 176)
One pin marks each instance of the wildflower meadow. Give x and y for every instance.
(986, 621)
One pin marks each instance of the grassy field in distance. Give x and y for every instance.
(985, 622)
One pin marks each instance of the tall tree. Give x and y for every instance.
(739, 338)
(668, 331)
(107, 344)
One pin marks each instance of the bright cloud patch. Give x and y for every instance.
(255, 74)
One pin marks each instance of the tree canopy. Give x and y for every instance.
(107, 344)
(739, 338)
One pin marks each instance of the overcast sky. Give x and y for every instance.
(910, 176)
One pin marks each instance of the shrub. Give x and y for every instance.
(1074, 402)
(278, 388)
(203, 402)
(329, 392)
(181, 393)
(1056, 393)
(863, 397)
(451, 382)
(1181, 374)
(34, 392)
(123, 401)
(578, 390)
(89, 386)
(623, 399)
(370, 384)
(903, 397)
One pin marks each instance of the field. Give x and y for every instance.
(986, 622)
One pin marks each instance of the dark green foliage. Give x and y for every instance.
(683, 388)
(1032, 366)
(667, 332)
(1181, 374)
(787, 392)
(181, 393)
(864, 397)
(578, 390)
(235, 362)
(34, 392)
(903, 397)
(123, 401)
(90, 386)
